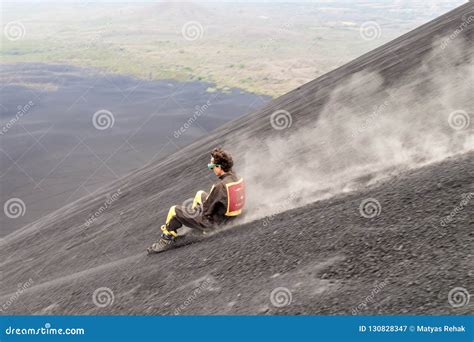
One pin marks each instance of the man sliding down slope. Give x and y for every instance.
(224, 203)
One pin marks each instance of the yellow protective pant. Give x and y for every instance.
(179, 216)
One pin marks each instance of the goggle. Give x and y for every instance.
(212, 165)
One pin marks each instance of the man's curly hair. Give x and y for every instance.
(223, 159)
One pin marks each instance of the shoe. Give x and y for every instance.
(162, 245)
(167, 241)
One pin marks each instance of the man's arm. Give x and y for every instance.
(217, 196)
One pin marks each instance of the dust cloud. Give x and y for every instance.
(365, 132)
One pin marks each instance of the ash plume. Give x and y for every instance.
(368, 129)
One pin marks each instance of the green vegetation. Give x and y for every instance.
(245, 49)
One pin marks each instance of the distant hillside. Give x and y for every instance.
(391, 129)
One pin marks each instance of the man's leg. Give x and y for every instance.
(176, 218)
(199, 199)
(191, 218)
(172, 223)
(168, 232)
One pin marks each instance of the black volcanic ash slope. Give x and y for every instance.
(325, 253)
(329, 257)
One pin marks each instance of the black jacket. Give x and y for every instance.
(215, 205)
